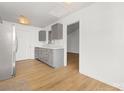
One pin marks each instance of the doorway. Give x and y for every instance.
(73, 46)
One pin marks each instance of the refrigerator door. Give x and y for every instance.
(7, 54)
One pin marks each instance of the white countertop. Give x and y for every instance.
(51, 46)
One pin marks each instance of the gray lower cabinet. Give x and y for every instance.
(52, 57)
(56, 58)
(36, 52)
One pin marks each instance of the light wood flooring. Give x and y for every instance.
(35, 75)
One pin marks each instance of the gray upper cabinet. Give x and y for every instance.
(42, 35)
(1, 21)
(57, 31)
(49, 36)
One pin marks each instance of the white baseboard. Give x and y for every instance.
(119, 86)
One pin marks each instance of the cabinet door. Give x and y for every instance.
(60, 31)
(50, 58)
(57, 31)
(50, 36)
(54, 32)
(58, 58)
(42, 36)
(36, 52)
(43, 55)
(40, 54)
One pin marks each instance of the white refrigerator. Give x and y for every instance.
(8, 47)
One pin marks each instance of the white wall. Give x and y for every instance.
(73, 42)
(104, 47)
(75, 17)
(101, 41)
(27, 40)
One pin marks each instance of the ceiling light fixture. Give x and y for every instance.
(24, 20)
(68, 1)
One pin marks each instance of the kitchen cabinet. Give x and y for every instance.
(52, 57)
(57, 31)
(42, 35)
(56, 58)
(36, 52)
(50, 37)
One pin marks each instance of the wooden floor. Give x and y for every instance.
(34, 75)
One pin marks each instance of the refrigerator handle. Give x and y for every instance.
(16, 44)
(14, 51)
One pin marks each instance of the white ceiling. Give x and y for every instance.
(40, 14)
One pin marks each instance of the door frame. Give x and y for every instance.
(67, 42)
